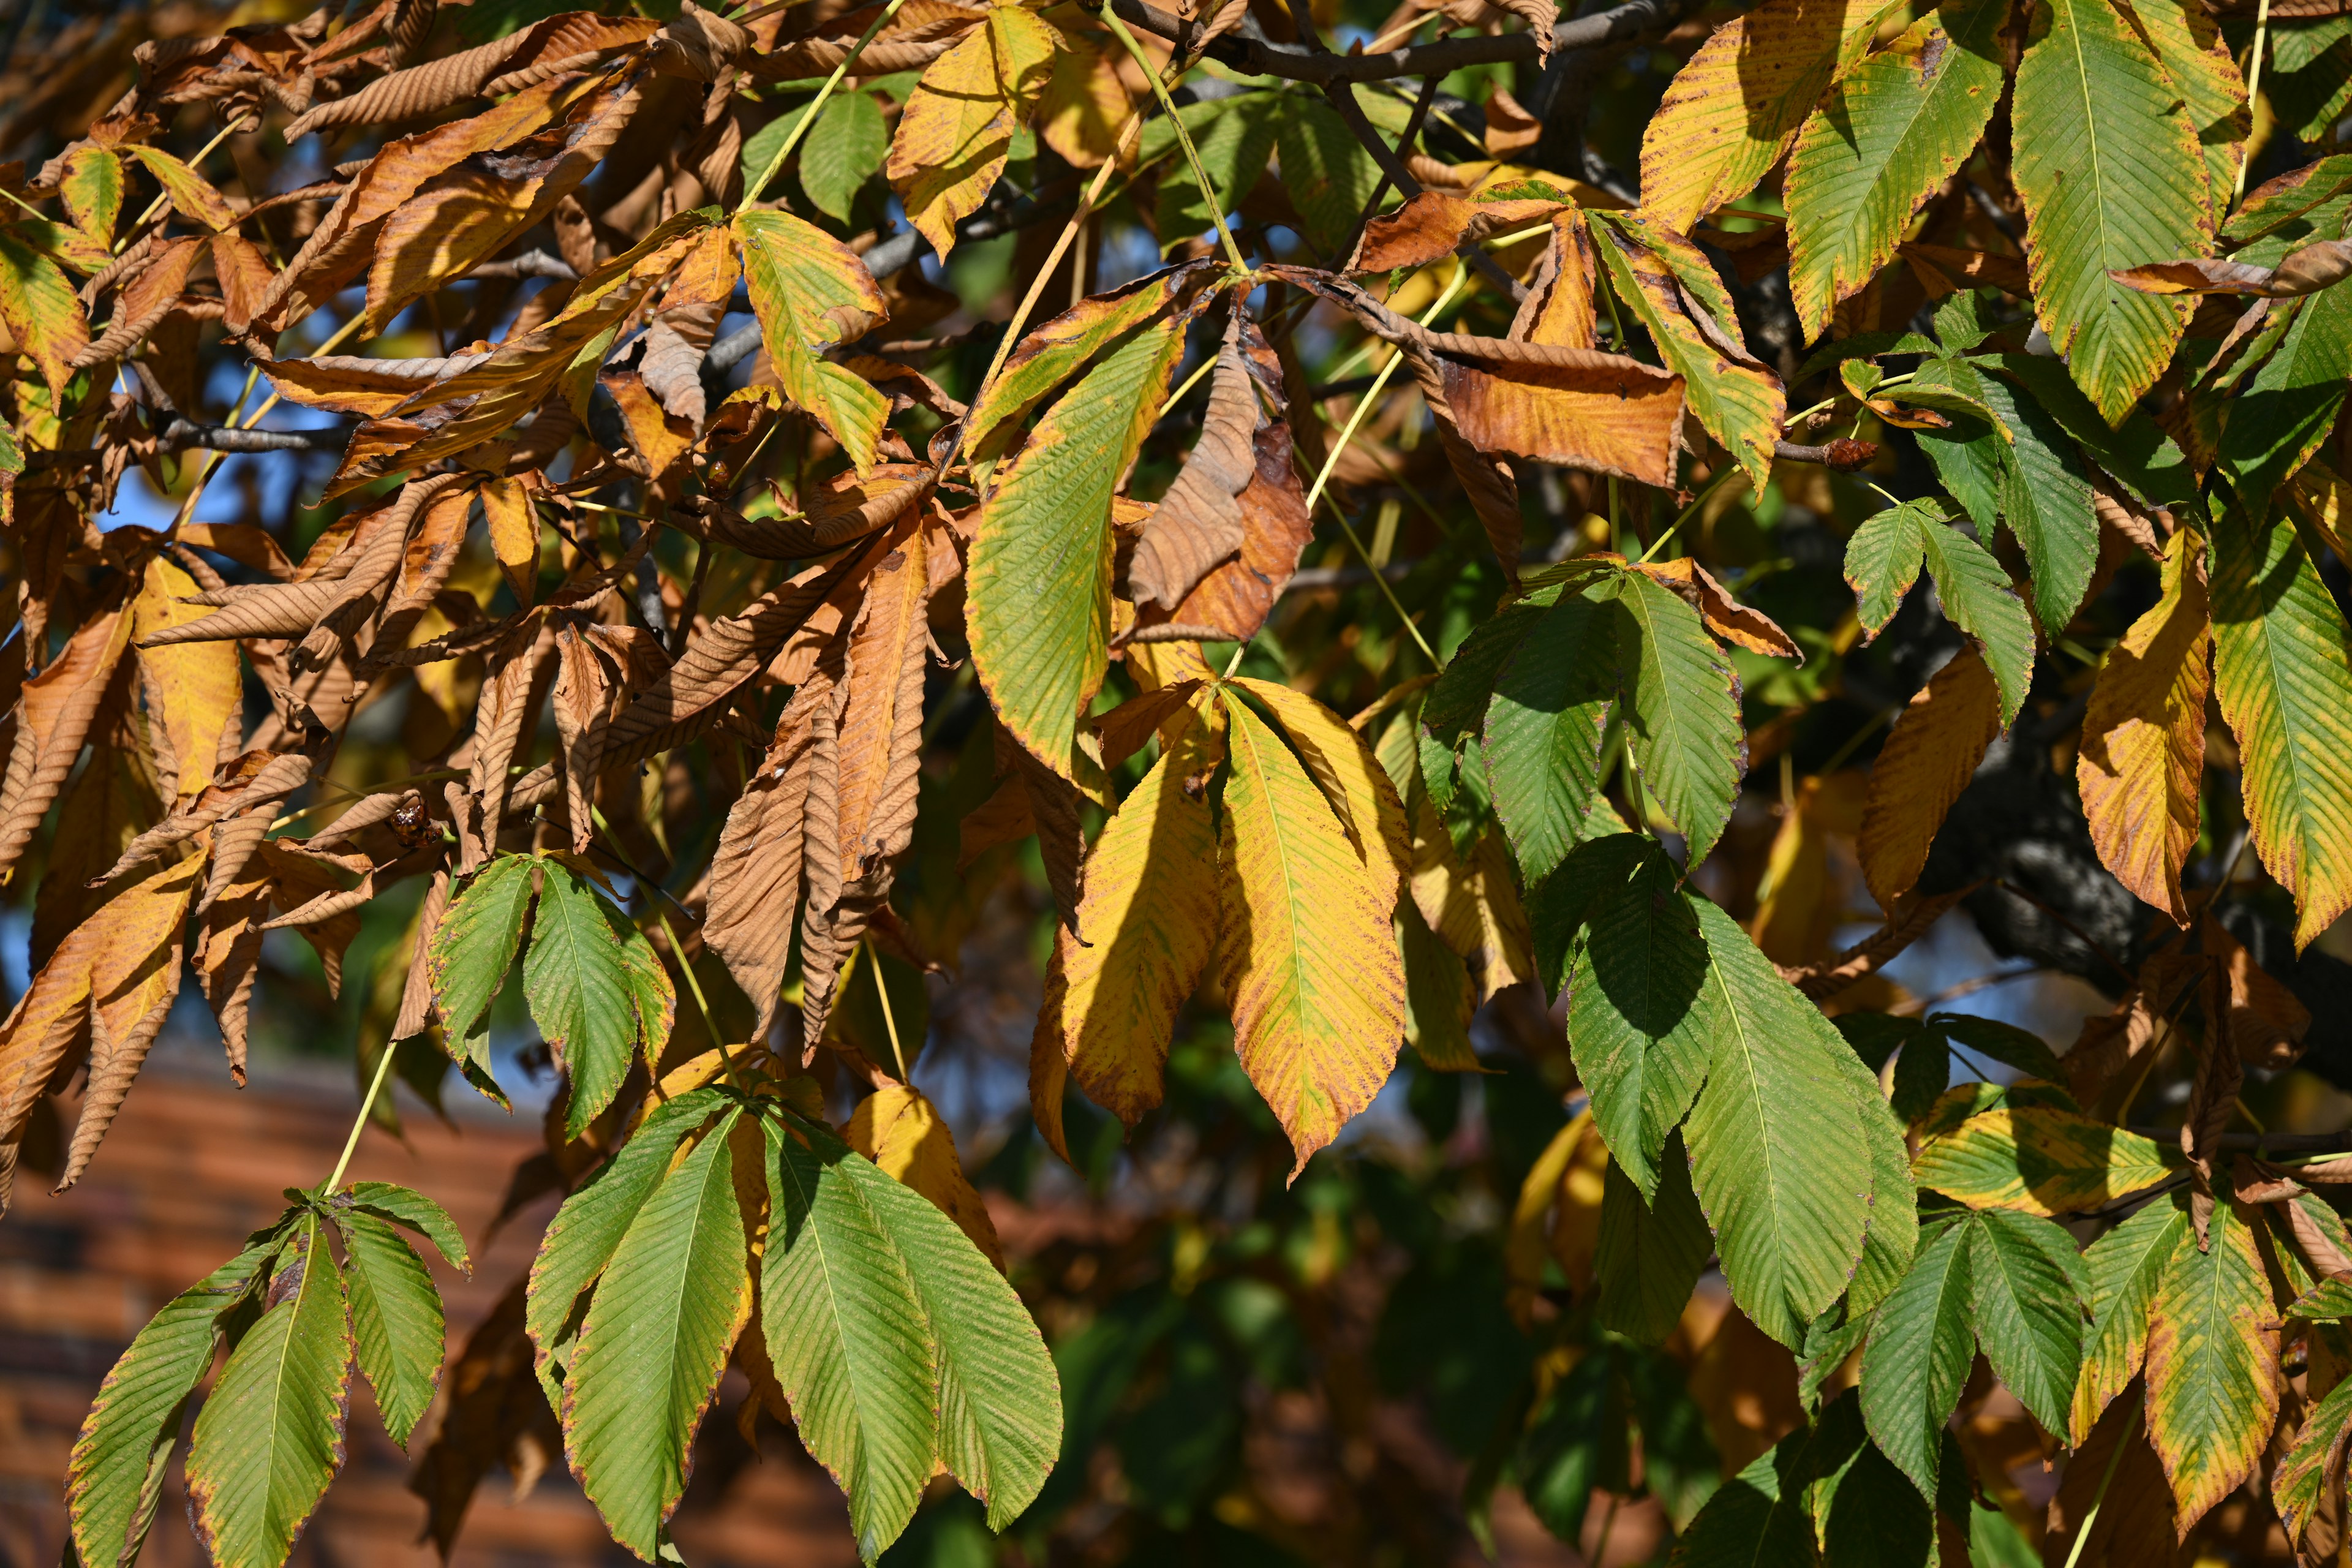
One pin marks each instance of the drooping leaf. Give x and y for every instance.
(396, 1324)
(2027, 1286)
(2045, 500)
(2282, 674)
(1680, 700)
(1887, 137)
(1882, 560)
(1777, 1153)
(2300, 1485)
(1643, 1019)
(669, 1305)
(1925, 763)
(955, 132)
(135, 1419)
(2214, 1375)
(1917, 1355)
(2126, 1265)
(1651, 1251)
(1543, 730)
(1315, 982)
(810, 292)
(2112, 176)
(270, 1436)
(1039, 582)
(39, 308)
(474, 946)
(579, 982)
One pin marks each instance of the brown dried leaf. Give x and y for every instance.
(1928, 761)
(53, 718)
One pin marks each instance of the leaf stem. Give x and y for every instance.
(2123, 1439)
(359, 1122)
(808, 116)
(1690, 512)
(1184, 137)
(1372, 393)
(889, 1018)
(2253, 93)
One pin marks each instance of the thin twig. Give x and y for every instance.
(808, 116)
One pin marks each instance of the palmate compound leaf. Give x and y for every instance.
(1680, 702)
(396, 1319)
(270, 1436)
(1885, 139)
(2041, 1160)
(115, 1477)
(1039, 583)
(897, 1341)
(1306, 947)
(1150, 918)
(2140, 768)
(2213, 1378)
(1643, 1020)
(1780, 1153)
(810, 292)
(2282, 674)
(1882, 560)
(1543, 730)
(668, 1307)
(1917, 1356)
(2110, 168)
(2126, 1265)
(596, 990)
(585, 1234)
(1732, 110)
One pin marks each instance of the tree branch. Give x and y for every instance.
(1294, 62)
(183, 432)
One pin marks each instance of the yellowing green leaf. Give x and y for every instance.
(2189, 41)
(1731, 112)
(2283, 673)
(2126, 1265)
(2213, 1378)
(1306, 950)
(2112, 177)
(955, 132)
(2041, 1160)
(811, 292)
(41, 310)
(1039, 587)
(1886, 138)
(191, 192)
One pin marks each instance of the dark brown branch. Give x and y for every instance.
(1293, 62)
(183, 433)
(1342, 97)
(1845, 456)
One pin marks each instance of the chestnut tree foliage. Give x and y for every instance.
(1475, 549)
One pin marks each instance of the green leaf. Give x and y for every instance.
(1892, 1235)
(2028, 1285)
(2045, 500)
(2282, 674)
(2330, 1301)
(2280, 210)
(2279, 419)
(1681, 710)
(1651, 1252)
(117, 1468)
(1235, 138)
(2004, 1043)
(1921, 1074)
(2126, 1266)
(585, 1234)
(1325, 172)
(1777, 1153)
(844, 149)
(1000, 1399)
(396, 1320)
(420, 1213)
(271, 1436)
(1458, 698)
(2138, 452)
(2112, 176)
(1039, 585)
(1883, 561)
(1543, 730)
(1920, 1347)
(1885, 139)
(1867, 1513)
(848, 1335)
(1970, 458)
(1758, 1518)
(665, 1313)
(582, 991)
(1594, 873)
(2213, 1377)
(811, 292)
(474, 946)
(1643, 1020)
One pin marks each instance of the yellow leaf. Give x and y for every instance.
(191, 194)
(811, 292)
(1085, 104)
(1309, 956)
(1358, 791)
(955, 132)
(901, 1132)
(1149, 912)
(2041, 1160)
(514, 534)
(1731, 112)
(195, 690)
(2143, 756)
(1929, 760)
